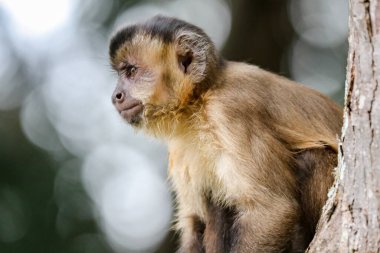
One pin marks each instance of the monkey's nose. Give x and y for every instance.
(118, 97)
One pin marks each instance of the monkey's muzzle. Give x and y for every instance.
(131, 110)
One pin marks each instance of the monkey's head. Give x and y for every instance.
(163, 65)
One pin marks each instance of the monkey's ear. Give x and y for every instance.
(192, 50)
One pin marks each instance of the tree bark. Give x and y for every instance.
(351, 218)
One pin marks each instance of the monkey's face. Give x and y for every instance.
(160, 64)
(150, 75)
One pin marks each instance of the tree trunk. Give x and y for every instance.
(351, 218)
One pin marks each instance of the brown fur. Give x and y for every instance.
(314, 181)
(220, 233)
(251, 153)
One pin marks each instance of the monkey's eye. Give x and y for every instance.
(129, 70)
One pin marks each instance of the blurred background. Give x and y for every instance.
(74, 177)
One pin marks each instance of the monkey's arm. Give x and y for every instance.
(266, 210)
(270, 228)
(259, 181)
(188, 222)
(214, 236)
(191, 240)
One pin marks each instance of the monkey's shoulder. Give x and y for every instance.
(241, 78)
(253, 101)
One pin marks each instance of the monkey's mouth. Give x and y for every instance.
(132, 112)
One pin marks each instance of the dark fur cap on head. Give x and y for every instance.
(163, 28)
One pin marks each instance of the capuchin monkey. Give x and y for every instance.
(251, 153)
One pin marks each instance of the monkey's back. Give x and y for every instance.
(300, 117)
